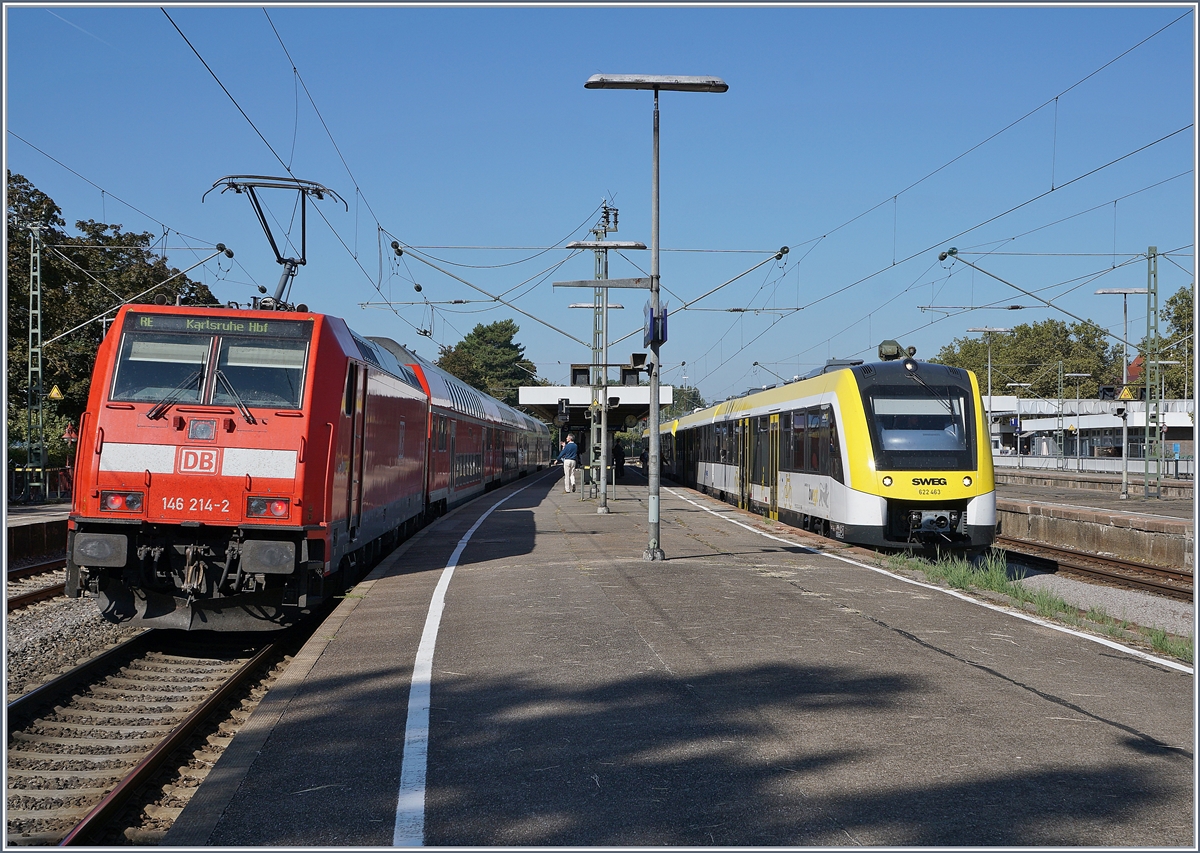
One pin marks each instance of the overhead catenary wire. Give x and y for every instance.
(894, 196)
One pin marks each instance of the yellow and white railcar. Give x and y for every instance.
(893, 454)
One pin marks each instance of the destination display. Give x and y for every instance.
(215, 324)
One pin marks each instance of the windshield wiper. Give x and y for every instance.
(171, 399)
(224, 380)
(944, 401)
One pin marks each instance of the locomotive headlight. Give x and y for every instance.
(121, 501)
(887, 481)
(267, 507)
(967, 481)
(203, 430)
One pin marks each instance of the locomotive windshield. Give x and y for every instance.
(917, 427)
(167, 357)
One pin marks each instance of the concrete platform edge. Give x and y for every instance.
(199, 819)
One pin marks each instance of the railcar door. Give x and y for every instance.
(745, 461)
(358, 434)
(773, 468)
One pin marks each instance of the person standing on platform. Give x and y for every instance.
(618, 454)
(569, 457)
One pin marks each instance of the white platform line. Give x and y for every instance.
(409, 830)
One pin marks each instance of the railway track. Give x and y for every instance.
(82, 745)
(26, 585)
(1173, 583)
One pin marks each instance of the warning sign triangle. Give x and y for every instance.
(55, 394)
(1126, 393)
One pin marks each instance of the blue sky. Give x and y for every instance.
(866, 139)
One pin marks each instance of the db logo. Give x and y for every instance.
(198, 461)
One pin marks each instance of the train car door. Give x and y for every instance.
(773, 468)
(745, 461)
(357, 447)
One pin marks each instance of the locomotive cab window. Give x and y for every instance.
(151, 367)
(921, 427)
(261, 373)
(169, 358)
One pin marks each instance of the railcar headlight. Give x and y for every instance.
(967, 481)
(887, 481)
(121, 501)
(267, 507)
(202, 430)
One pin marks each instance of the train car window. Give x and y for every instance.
(835, 448)
(822, 440)
(785, 441)
(796, 440)
(760, 449)
(813, 443)
(152, 367)
(349, 395)
(799, 431)
(261, 372)
(919, 427)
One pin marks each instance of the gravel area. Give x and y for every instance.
(51, 637)
(1141, 608)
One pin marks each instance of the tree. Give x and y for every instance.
(491, 360)
(1177, 343)
(1031, 353)
(684, 399)
(82, 276)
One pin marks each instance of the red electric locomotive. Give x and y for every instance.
(238, 467)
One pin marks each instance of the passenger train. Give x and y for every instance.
(891, 455)
(237, 467)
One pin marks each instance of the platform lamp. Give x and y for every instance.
(656, 83)
(1124, 293)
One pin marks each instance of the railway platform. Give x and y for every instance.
(758, 687)
(1087, 514)
(36, 530)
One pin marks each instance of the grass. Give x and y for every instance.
(990, 573)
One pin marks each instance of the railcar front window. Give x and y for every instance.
(262, 372)
(153, 367)
(921, 427)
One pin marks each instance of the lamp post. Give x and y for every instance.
(988, 331)
(1019, 386)
(656, 83)
(1162, 395)
(1124, 293)
(602, 305)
